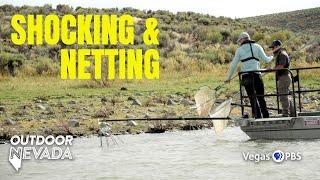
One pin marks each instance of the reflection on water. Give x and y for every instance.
(173, 155)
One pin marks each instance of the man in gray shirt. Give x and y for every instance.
(282, 76)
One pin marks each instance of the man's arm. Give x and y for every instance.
(262, 55)
(233, 65)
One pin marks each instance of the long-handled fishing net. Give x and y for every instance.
(205, 98)
(205, 105)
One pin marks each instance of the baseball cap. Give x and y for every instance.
(275, 43)
(243, 35)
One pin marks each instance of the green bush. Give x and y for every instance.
(258, 36)
(46, 66)
(225, 34)
(208, 34)
(235, 35)
(185, 28)
(220, 57)
(6, 57)
(163, 39)
(282, 35)
(42, 66)
(204, 21)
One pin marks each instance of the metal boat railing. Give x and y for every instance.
(294, 79)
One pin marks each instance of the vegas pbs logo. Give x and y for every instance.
(278, 156)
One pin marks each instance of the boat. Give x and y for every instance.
(302, 125)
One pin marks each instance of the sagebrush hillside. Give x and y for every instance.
(188, 41)
(307, 20)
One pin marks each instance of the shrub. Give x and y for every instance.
(220, 57)
(210, 35)
(163, 39)
(183, 39)
(204, 21)
(235, 35)
(42, 66)
(258, 36)
(225, 34)
(185, 28)
(281, 35)
(46, 66)
(6, 57)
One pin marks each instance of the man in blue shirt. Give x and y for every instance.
(249, 54)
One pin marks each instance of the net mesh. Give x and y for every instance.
(204, 98)
(223, 110)
(204, 101)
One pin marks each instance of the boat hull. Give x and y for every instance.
(307, 127)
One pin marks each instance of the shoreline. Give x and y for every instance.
(126, 130)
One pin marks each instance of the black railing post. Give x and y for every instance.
(293, 94)
(241, 96)
(299, 93)
(278, 103)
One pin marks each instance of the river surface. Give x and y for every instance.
(172, 155)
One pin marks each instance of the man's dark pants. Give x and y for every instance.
(255, 89)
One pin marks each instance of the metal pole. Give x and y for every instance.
(278, 104)
(256, 105)
(241, 98)
(299, 93)
(293, 93)
(169, 119)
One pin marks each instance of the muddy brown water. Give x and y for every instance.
(172, 155)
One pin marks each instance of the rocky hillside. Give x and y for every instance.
(306, 20)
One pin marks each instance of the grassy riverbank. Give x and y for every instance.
(47, 105)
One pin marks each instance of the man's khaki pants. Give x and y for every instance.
(284, 83)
